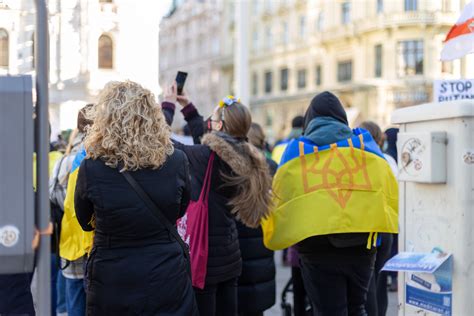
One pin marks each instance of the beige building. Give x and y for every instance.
(376, 55)
(190, 42)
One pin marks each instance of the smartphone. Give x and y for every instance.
(180, 80)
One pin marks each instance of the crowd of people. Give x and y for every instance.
(123, 182)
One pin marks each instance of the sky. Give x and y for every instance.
(143, 19)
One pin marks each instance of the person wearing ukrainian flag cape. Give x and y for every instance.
(333, 193)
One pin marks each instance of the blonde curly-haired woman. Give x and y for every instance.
(136, 267)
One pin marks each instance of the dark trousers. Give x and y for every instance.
(217, 299)
(338, 288)
(15, 294)
(299, 293)
(377, 299)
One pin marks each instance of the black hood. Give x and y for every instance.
(391, 134)
(325, 104)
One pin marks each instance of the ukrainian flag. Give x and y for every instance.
(74, 243)
(345, 187)
(278, 151)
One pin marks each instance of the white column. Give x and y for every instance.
(241, 54)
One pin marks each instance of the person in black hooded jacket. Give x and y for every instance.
(240, 188)
(336, 268)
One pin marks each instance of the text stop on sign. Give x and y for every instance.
(451, 90)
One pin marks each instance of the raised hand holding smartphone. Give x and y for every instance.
(180, 80)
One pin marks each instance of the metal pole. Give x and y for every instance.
(42, 152)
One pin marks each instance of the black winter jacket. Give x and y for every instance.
(135, 267)
(224, 260)
(257, 287)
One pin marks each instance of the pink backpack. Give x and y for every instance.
(193, 228)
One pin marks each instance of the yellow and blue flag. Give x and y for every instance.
(345, 187)
(278, 151)
(74, 242)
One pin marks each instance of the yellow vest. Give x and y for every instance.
(53, 156)
(74, 243)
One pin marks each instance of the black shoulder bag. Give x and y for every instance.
(155, 210)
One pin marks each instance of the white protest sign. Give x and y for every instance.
(451, 90)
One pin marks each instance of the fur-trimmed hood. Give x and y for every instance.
(230, 150)
(252, 178)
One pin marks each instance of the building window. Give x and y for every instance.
(4, 48)
(378, 61)
(302, 26)
(268, 6)
(379, 6)
(268, 119)
(446, 6)
(301, 78)
(268, 37)
(215, 46)
(345, 12)
(284, 79)
(255, 40)
(318, 75)
(106, 52)
(268, 82)
(410, 58)
(320, 22)
(344, 71)
(411, 5)
(285, 34)
(256, 7)
(254, 84)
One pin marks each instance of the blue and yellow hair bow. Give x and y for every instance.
(228, 101)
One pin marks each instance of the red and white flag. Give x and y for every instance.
(460, 39)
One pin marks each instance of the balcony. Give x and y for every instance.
(406, 19)
(387, 21)
(337, 32)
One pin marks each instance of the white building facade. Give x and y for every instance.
(91, 43)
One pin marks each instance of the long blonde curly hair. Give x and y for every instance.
(129, 129)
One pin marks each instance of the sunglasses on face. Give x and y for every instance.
(209, 122)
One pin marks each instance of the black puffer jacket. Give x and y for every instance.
(257, 281)
(135, 267)
(224, 261)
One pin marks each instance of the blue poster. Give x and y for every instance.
(428, 279)
(431, 301)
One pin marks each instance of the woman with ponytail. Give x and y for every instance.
(239, 188)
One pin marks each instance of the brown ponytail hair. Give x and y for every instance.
(251, 174)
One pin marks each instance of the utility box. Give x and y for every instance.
(423, 157)
(16, 175)
(436, 163)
